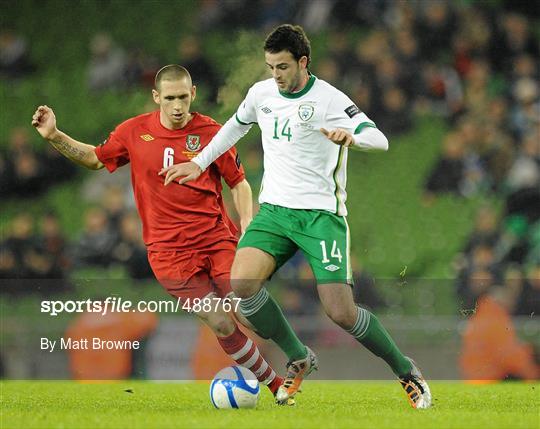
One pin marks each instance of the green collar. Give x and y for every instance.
(304, 90)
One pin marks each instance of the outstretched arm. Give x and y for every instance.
(80, 153)
(225, 138)
(243, 204)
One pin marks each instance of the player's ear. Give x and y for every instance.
(155, 96)
(303, 61)
(193, 92)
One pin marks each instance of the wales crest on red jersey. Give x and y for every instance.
(193, 142)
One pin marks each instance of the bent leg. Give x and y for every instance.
(239, 347)
(363, 325)
(338, 303)
(250, 270)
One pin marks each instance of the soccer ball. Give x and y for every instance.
(234, 387)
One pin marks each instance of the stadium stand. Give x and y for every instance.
(455, 86)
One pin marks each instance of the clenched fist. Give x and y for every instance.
(45, 122)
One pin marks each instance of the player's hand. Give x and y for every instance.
(44, 121)
(339, 136)
(187, 170)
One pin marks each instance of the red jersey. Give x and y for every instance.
(189, 216)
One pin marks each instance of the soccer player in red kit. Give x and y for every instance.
(190, 240)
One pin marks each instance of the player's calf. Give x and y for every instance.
(239, 347)
(245, 352)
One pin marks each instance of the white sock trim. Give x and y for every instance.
(251, 361)
(242, 352)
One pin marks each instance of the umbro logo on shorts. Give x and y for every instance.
(331, 267)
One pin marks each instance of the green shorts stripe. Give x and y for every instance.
(348, 249)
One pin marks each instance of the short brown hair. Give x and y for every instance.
(290, 38)
(171, 72)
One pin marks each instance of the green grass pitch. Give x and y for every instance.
(139, 404)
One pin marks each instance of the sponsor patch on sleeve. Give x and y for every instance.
(237, 161)
(352, 110)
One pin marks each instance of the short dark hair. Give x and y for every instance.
(290, 38)
(171, 72)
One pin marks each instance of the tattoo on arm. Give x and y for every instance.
(66, 149)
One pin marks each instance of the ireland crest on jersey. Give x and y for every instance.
(305, 111)
(193, 142)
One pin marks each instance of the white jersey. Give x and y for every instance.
(303, 169)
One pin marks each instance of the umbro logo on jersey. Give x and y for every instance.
(331, 268)
(266, 110)
(193, 142)
(147, 137)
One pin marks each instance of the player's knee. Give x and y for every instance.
(222, 327)
(245, 288)
(252, 263)
(221, 323)
(341, 317)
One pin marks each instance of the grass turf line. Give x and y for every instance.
(139, 404)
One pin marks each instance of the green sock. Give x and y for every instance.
(268, 319)
(372, 335)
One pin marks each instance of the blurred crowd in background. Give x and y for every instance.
(473, 64)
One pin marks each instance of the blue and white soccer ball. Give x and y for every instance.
(234, 387)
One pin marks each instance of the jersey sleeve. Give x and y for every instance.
(343, 113)
(230, 168)
(113, 153)
(247, 111)
(224, 140)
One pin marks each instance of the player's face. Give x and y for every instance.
(286, 71)
(174, 98)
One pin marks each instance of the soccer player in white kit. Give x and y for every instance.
(307, 128)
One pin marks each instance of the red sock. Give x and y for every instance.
(274, 384)
(246, 353)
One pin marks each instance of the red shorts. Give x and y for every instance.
(194, 273)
